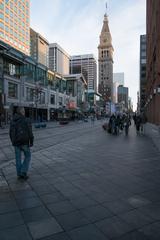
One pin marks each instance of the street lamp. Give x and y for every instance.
(37, 95)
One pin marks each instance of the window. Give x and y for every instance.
(52, 99)
(30, 94)
(1, 6)
(1, 25)
(102, 54)
(143, 47)
(143, 68)
(143, 75)
(60, 101)
(12, 90)
(42, 98)
(143, 61)
(7, 29)
(11, 5)
(7, 19)
(143, 54)
(27, 3)
(1, 34)
(1, 16)
(15, 34)
(12, 69)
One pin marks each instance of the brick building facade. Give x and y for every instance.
(152, 105)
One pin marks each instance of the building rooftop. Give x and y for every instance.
(83, 56)
(53, 45)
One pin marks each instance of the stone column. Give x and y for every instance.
(1, 84)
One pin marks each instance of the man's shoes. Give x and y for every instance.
(19, 177)
(23, 176)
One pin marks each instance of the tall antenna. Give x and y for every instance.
(106, 8)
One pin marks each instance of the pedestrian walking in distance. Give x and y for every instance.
(22, 139)
(126, 125)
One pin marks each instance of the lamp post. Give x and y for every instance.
(110, 110)
(37, 95)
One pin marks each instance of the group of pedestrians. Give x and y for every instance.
(139, 122)
(119, 123)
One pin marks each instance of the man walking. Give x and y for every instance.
(0, 120)
(22, 139)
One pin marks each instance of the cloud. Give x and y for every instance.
(76, 26)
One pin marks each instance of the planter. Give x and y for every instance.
(43, 125)
(40, 125)
(37, 125)
(63, 122)
(85, 120)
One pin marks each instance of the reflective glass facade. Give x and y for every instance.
(15, 24)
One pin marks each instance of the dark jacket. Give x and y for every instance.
(21, 131)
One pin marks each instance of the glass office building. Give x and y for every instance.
(15, 24)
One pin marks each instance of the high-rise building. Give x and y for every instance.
(130, 104)
(123, 95)
(39, 48)
(153, 62)
(87, 65)
(59, 59)
(138, 102)
(15, 24)
(118, 79)
(143, 82)
(105, 59)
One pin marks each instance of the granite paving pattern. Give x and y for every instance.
(84, 184)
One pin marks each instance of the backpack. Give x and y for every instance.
(19, 132)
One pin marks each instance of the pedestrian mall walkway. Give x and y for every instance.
(93, 186)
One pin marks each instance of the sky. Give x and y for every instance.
(76, 25)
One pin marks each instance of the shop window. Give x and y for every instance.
(12, 90)
(30, 94)
(42, 98)
(52, 99)
(12, 69)
(60, 101)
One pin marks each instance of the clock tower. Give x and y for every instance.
(105, 60)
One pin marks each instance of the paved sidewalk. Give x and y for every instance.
(54, 124)
(43, 137)
(93, 187)
(6, 149)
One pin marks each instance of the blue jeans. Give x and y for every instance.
(22, 167)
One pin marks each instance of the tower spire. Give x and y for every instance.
(106, 8)
(105, 59)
